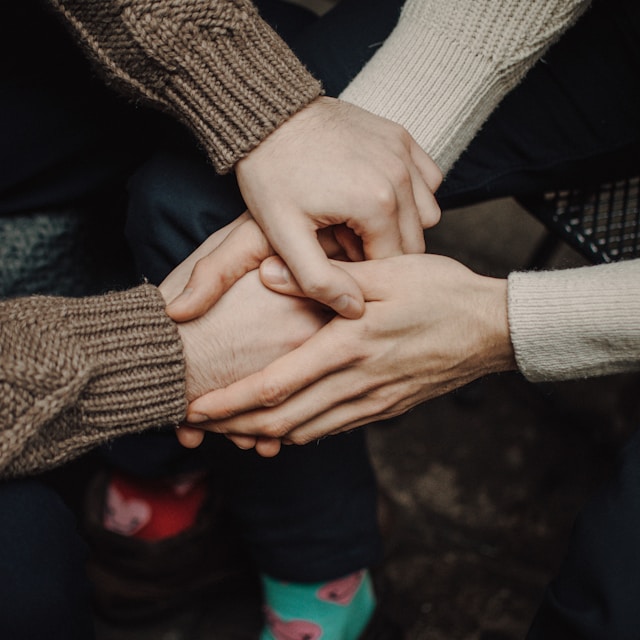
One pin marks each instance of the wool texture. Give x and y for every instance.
(576, 323)
(75, 373)
(215, 66)
(447, 65)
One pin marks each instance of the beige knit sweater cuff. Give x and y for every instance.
(576, 323)
(447, 65)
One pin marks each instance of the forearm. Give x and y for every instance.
(78, 372)
(216, 66)
(576, 323)
(446, 66)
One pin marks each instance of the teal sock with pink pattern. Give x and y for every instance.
(335, 610)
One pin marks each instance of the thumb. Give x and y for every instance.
(214, 274)
(276, 276)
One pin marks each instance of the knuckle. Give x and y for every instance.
(277, 427)
(399, 174)
(399, 132)
(316, 288)
(202, 272)
(272, 393)
(384, 198)
(300, 438)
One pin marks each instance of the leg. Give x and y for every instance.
(288, 504)
(43, 592)
(308, 515)
(595, 595)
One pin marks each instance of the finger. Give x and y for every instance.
(428, 207)
(268, 447)
(314, 359)
(328, 242)
(305, 413)
(189, 437)
(275, 275)
(406, 179)
(425, 188)
(350, 243)
(427, 167)
(330, 423)
(214, 274)
(241, 441)
(409, 219)
(352, 414)
(380, 231)
(320, 280)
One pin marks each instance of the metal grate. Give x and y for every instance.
(603, 224)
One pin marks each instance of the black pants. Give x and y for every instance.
(43, 588)
(596, 593)
(566, 121)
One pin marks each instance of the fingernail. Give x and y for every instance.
(348, 306)
(275, 272)
(196, 418)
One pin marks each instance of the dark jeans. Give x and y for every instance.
(43, 588)
(574, 118)
(596, 593)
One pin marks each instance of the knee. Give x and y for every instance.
(175, 202)
(44, 591)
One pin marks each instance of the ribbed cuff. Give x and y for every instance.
(216, 66)
(136, 355)
(446, 66)
(576, 323)
(438, 90)
(236, 91)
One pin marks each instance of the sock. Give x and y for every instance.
(153, 508)
(335, 610)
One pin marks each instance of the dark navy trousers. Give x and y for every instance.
(573, 119)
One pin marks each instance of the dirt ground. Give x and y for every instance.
(482, 485)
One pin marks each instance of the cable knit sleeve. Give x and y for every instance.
(576, 323)
(75, 373)
(216, 65)
(447, 65)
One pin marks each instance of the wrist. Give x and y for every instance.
(497, 348)
(198, 344)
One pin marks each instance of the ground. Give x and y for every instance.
(481, 485)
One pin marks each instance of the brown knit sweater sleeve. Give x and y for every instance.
(215, 65)
(75, 373)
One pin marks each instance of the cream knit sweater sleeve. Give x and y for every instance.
(576, 323)
(448, 63)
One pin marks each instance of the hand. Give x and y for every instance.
(247, 329)
(335, 163)
(200, 280)
(430, 325)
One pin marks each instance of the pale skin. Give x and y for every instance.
(430, 325)
(330, 164)
(247, 329)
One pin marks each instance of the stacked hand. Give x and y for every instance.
(334, 180)
(430, 325)
(331, 165)
(246, 330)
